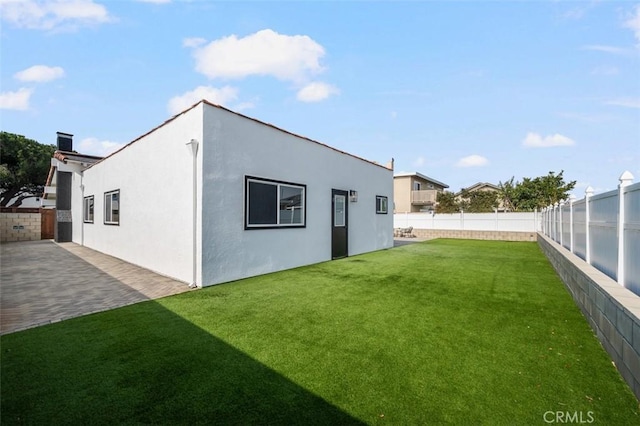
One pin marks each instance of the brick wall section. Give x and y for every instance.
(611, 310)
(475, 235)
(19, 227)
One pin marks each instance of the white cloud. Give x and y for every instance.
(608, 49)
(18, 100)
(220, 96)
(605, 70)
(40, 74)
(289, 58)
(419, 162)
(193, 42)
(472, 161)
(94, 146)
(316, 91)
(535, 140)
(625, 102)
(633, 23)
(394, 115)
(53, 14)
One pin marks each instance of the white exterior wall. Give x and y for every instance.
(234, 147)
(154, 176)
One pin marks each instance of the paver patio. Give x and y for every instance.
(43, 282)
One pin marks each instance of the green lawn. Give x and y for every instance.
(446, 331)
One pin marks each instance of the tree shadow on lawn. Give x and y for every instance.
(145, 364)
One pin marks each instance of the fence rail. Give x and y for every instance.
(603, 230)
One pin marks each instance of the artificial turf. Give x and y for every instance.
(445, 331)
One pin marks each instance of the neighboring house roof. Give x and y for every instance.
(421, 176)
(74, 157)
(479, 186)
(68, 157)
(204, 101)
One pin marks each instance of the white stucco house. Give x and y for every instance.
(212, 196)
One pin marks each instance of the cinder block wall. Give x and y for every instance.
(611, 310)
(19, 227)
(475, 235)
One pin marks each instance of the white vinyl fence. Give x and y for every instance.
(603, 230)
(499, 221)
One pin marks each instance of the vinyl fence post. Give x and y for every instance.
(572, 199)
(555, 222)
(625, 180)
(587, 195)
(561, 206)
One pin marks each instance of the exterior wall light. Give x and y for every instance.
(353, 196)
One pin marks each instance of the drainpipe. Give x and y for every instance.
(82, 197)
(194, 273)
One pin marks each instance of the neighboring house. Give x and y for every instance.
(212, 196)
(480, 186)
(415, 192)
(26, 200)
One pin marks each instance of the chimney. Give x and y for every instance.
(65, 142)
(390, 164)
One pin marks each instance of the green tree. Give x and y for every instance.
(479, 201)
(552, 189)
(535, 193)
(507, 194)
(24, 165)
(446, 203)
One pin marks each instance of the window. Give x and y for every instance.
(112, 208)
(339, 211)
(382, 204)
(417, 186)
(88, 209)
(274, 204)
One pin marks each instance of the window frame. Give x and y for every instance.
(88, 215)
(108, 217)
(379, 209)
(278, 184)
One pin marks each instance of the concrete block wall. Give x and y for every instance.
(19, 227)
(475, 235)
(612, 311)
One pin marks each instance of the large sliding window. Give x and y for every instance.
(88, 209)
(112, 207)
(274, 204)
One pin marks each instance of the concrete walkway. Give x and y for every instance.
(43, 282)
(399, 241)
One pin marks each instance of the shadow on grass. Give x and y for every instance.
(145, 364)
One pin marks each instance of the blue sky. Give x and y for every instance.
(459, 91)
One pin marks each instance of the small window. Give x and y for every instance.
(112, 208)
(274, 204)
(417, 186)
(88, 209)
(382, 204)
